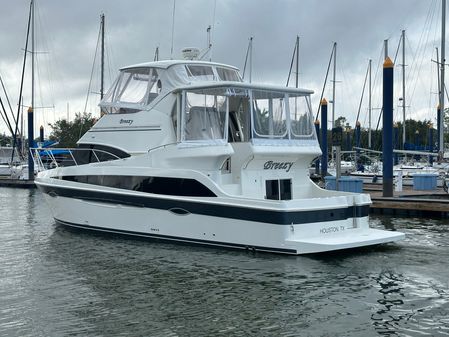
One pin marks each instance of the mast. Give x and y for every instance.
(297, 74)
(30, 110)
(369, 106)
(19, 106)
(102, 57)
(297, 61)
(403, 88)
(443, 61)
(333, 84)
(32, 54)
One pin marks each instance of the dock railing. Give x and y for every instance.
(49, 158)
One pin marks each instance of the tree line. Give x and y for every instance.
(416, 133)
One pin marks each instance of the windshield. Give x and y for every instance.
(134, 89)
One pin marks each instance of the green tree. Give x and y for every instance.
(67, 133)
(5, 140)
(340, 122)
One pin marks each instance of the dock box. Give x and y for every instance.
(424, 181)
(346, 184)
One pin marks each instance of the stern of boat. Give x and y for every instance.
(341, 222)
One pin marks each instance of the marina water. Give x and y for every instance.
(55, 281)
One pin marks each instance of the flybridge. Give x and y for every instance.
(141, 86)
(237, 112)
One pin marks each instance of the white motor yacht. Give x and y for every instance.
(187, 151)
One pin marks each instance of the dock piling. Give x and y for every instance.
(30, 143)
(317, 161)
(387, 134)
(323, 104)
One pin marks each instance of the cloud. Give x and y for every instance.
(68, 30)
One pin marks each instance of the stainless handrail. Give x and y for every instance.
(38, 153)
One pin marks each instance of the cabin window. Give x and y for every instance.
(205, 118)
(156, 185)
(228, 74)
(200, 72)
(269, 116)
(278, 189)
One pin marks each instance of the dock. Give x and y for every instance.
(409, 202)
(17, 183)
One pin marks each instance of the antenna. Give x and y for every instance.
(156, 54)
(172, 29)
(213, 30)
(294, 57)
(209, 45)
(248, 55)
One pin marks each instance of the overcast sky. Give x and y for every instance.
(67, 31)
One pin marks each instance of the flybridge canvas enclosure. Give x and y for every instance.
(141, 87)
(205, 118)
(282, 116)
(132, 91)
(218, 114)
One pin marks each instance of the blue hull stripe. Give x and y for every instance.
(203, 207)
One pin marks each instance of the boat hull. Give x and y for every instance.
(290, 230)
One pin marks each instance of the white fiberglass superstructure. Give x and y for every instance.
(187, 151)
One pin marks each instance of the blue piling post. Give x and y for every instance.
(417, 144)
(387, 132)
(323, 104)
(348, 139)
(430, 143)
(30, 143)
(357, 144)
(41, 134)
(357, 136)
(417, 140)
(317, 161)
(438, 126)
(396, 143)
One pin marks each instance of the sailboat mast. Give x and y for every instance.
(403, 89)
(369, 106)
(32, 54)
(443, 38)
(333, 84)
(30, 110)
(102, 58)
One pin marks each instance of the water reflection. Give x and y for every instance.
(409, 305)
(57, 281)
(386, 319)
